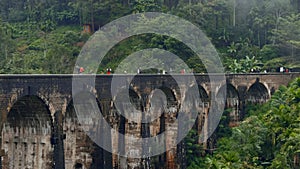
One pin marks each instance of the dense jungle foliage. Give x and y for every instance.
(268, 138)
(45, 36)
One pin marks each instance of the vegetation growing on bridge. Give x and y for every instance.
(268, 137)
(46, 36)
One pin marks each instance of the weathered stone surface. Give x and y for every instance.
(36, 137)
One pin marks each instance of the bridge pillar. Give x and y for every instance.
(115, 140)
(57, 141)
(145, 163)
(133, 148)
(242, 90)
(171, 137)
(3, 117)
(2, 152)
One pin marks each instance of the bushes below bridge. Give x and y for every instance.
(269, 137)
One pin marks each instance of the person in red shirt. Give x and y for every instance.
(108, 71)
(81, 70)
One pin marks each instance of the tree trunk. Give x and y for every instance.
(266, 36)
(296, 160)
(233, 17)
(59, 158)
(217, 19)
(92, 17)
(258, 38)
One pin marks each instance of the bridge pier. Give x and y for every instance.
(2, 154)
(57, 141)
(133, 148)
(171, 138)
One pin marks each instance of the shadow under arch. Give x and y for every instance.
(257, 94)
(84, 100)
(29, 111)
(170, 95)
(78, 166)
(124, 94)
(196, 98)
(28, 129)
(77, 138)
(201, 94)
(171, 108)
(162, 103)
(203, 107)
(232, 103)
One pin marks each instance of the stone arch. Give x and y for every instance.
(123, 89)
(232, 103)
(205, 87)
(170, 95)
(78, 144)
(26, 109)
(200, 103)
(204, 96)
(86, 97)
(27, 134)
(164, 114)
(55, 100)
(155, 102)
(168, 112)
(257, 93)
(134, 97)
(128, 116)
(127, 107)
(14, 95)
(197, 98)
(204, 99)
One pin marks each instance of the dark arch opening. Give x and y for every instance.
(85, 102)
(78, 166)
(134, 98)
(193, 102)
(171, 106)
(29, 111)
(203, 94)
(171, 99)
(231, 93)
(257, 94)
(28, 129)
(204, 104)
(232, 105)
(70, 113)
(232, 96)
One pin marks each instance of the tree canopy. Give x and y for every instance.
(46, 36)
(268, 137)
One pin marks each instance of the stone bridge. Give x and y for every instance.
(39, 128)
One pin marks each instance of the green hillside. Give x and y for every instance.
(47, 36)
